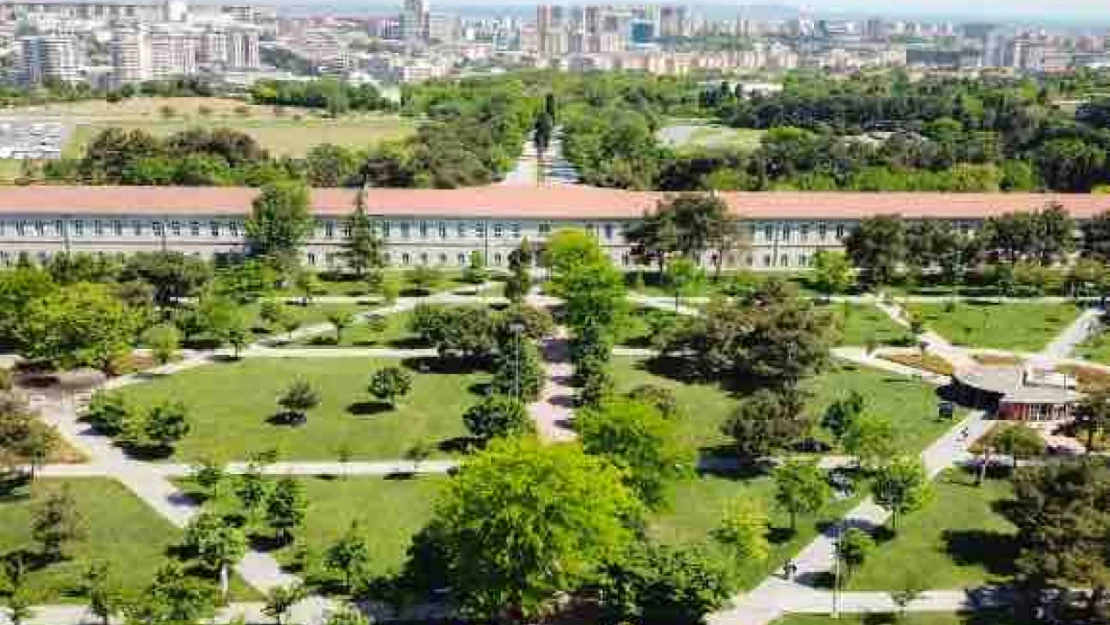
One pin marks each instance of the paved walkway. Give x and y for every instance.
(1065, 343)
(351, 469)
(554, 409)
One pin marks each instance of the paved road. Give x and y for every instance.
(554, 410)
(1065, 343)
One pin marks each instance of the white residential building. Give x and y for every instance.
(49, 58)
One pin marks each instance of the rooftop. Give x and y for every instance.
(1022, 384)
(551, 202)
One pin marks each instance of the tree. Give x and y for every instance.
(390, 383)
(341, 319)
(362, 248)
(173, 598)
(901, 486)
(743, 530)
(286, 508)
(832, 272)
(236, 333)
(347, 615)
(766, 422)
(18, 604)
(1093, 415)
(81, 325)
(637, 438)
(570, 247)
(218, 545)
(518, 371)
(173, 275)
(497, 416)
(307, 284)
(297, 399)
(166, 423)
(541, 132)
(698, 220)
(1017, 441)
(425, 278)
(164, 340)
(475, 271)
(281, 599)
(878, 246)
(56, 522)
(801, 488)
(852, 549)
(103, 592)
(522, 521)
(683, 277)
(1062, 523)
(871, 439)
(108, 412)
(349, 556)
(664, 585)
(842, 413)
(280, 223)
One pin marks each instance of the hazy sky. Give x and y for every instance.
(1043, 9)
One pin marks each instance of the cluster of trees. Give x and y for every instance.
(51, 92)
(476, 333)
(327, 93)
(152, 431)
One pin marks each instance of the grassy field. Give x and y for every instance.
(120, 530)
(860, 323)
(1018, 327)
(910, 403)
(919, 618)
(698, 505)
(1096, 348)
(957, 541)
(654, 286)
(231, 406)
(387, 513)
(396, 334)
(452, 280)
(693, 136)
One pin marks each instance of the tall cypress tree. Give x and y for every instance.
(361, 247)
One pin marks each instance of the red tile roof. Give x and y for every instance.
(554, 202)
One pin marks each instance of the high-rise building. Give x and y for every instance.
(129, 51)
(242, 49)
(414, 21)
(48, 58)
(173, 52)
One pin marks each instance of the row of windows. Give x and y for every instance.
(442, 230)
(120, 228)
(787, 232)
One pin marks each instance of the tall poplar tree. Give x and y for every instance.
(362, 249)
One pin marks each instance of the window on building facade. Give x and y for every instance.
(480, 230)
(805, 232)
(783, 261)
(385, 229)
(786, 230)
(194, 228)
(423, 230)
(40, 228)
(329, 229)
(609, 231)
(514, 231)
(234, 228)
(544, 229)
(404, 229)
(822, 231)
(5, 259)
(175, 228)
(443, 259)
(329, 259)
(312, 258)
(58, 227)
(137, 228)
(156, 227)
(21, 228)
(214, 228)
(498, 230)
(768, 233)
(461, 230)
(78, 228)
(405, 258)
(497, 259)
(442, 230)
(117, 227)
(766, 260)
(462, 259)
(840, 232)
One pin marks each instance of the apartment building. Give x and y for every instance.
(49, 58)
(443, 227)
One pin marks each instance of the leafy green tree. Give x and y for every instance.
(173, 275)
(173, 598)
(569, 247)
(801, 488)
(330, 166)
(767, 422)
(842, 413)
(55, 522)
(286, 507)
(878, 246)
(519, 369)
(108, 412)
(832, 273)
(81, 325)
(662, 398)
(683, 277)
(425, 279)
(901, 486)
(297, 399)
(523, 521)
(307, 284)
(743, 530)
(18, 605)
(1093, 416)
(475, 271)
(348, 556)
(348, 615)
(871, 439)
(281, 599)
(497, 416)
(390, 383)
(218, 545)
(1017, 441)
(166, 423)
(164, 341)
(852, 549)
(636, 437)
(280, 223)
(102, 590)
(341, 319)
(664, 585)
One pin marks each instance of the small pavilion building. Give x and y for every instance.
(1020, 392)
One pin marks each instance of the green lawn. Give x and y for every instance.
(395, 334)
(349, 287)
(912, 618)
(1013, 326)
(697, 136)
(910, 403)
(654, 286)
(388, 513)
(1096, 348)
(957, 541)
(860, 323)
(231, 404)
(698, 505)
(120, 530)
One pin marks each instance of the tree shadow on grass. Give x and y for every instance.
(443, 365)
(408, 342)
(368, 408)
(994, 551)
(289, 419)
(458, 444)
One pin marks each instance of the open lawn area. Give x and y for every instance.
(912, 618)
(1097, 347)
(120, 530)
(365, 334)
(653, 284)
(348, 286)
(699, 504)
(697, 135)
(958, 540)
(862, 323)
(1013, 326)
(911, 403)
(232, 408)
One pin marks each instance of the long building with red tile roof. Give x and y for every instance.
(444, 226)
